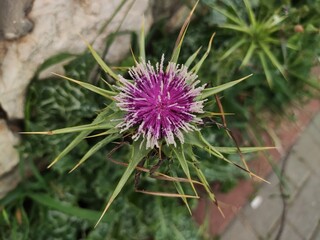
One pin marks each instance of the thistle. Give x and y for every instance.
(161, 110)
(160, 104)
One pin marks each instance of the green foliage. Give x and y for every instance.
(67, 207)
(106, 121)
(56, 205)
(256, 37)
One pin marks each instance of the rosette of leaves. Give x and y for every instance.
(158, 114)
(255, 35)
(269, 37)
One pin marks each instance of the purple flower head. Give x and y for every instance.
(160, 104)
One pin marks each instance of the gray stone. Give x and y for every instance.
(9, 156)
(9, 181)
(288, 233)
(309, 152)
(57, 25)
(296, 170)
(316, 122)
(13, 20)
(264, 217)
(313, 131)
(239, 230)
(316, 234)
(304, 213)
(9, 159)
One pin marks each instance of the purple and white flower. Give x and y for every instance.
(160, 104)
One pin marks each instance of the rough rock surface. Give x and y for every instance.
(13, 20)
(55, 26)
(9, 158)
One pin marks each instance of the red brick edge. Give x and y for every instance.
(231, 202)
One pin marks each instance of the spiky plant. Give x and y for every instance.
(254, 37)
(159, 114)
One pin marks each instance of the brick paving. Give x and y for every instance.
(262, 218)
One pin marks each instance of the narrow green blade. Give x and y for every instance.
(248, 55)
(197, 67)
(46, 200)
(273, 59)
(181, 192)
(200, 175)
(231, 150)
(273, 22)
(101, 62)
(235, 27)
(100, 91)
(229, 15)
(250, 12)
(177, 48)
(142, 43)
(114, 14)
(214, 90)
(95, 148)
(108, 132)
(179, 153)
(265, 68)
(206, 185)
(137, 155)
(79, 138)
(55, 60)
(192, 58)
(232, 49)
(195, 138)
(106, 123)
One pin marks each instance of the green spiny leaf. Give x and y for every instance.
(248, 55)
(265, 68)
(273, 59)
(192, 58)
(79, 137)
(95, 148)
(231, 150)
(106, 123)
(46, 200)
(179, 154)
(142, 43)
(177, 48)
(196, 68)
(230, 16)
(138, 152)
(195, 138)
(233, 48)
(250, 12)
(235, 27)
(200, 174)
(100, 91)
(181, 192)
(214, 90)
(213, 150)
(101, 62)
(55, 60)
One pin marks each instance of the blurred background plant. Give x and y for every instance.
(278, 41)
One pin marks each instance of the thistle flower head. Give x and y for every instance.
(160, 103)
